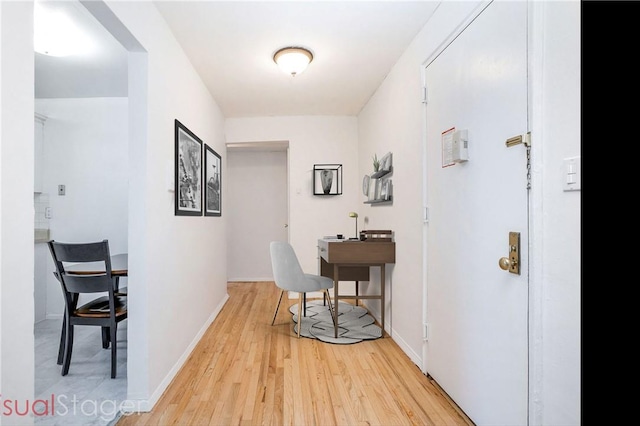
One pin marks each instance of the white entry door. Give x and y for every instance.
(476, 312)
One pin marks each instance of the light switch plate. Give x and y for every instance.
(61, 190)
(571, 174)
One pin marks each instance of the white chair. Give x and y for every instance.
(289, 276)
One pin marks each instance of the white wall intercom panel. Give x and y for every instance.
(460, 146)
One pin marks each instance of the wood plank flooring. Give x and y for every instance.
(246, 372)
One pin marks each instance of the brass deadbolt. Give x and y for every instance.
(511, 263)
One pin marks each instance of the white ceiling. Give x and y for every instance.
(231, 45)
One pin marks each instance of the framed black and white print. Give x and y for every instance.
(188, 167)
(386, 162)
(213, 182)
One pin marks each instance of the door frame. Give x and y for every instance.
(278, 146)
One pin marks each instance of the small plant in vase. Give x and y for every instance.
(376, 163)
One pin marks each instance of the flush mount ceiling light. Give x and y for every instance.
(293, 60)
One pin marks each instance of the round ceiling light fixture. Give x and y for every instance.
(293, 60)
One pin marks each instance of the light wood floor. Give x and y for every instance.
(246, 372)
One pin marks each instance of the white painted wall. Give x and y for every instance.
(177, 280)
(312, 140)
(41, 257)
(86, 149)
(558, 221)
(16, 202)
(257, 197)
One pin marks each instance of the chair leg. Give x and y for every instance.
(300, 313)
(68, 348)
(357, 292)
(277, 307)
(113, 329)
(304, 304)
(63, 333)
(327, 296)
(105, 337)
(62, 339)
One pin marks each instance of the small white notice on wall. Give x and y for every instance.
(447, 147)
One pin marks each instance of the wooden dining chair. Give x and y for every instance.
(105, 311)
(289, 276)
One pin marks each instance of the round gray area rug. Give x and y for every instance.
(354, 323)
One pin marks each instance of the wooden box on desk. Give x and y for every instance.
(376, 236)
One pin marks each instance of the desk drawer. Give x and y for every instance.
(346, 273)
(357, 252)
(323, 248)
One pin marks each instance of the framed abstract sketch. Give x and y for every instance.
(386, 162)
(213, 182)
(188, 167)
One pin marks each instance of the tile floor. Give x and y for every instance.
(87, 395)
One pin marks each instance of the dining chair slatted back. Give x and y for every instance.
(81, 253)
(289, 276)
(105, 311)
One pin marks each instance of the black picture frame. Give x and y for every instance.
(213, 182)
(327, 179)
(188, 172)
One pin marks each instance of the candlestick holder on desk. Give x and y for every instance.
(355, 216)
